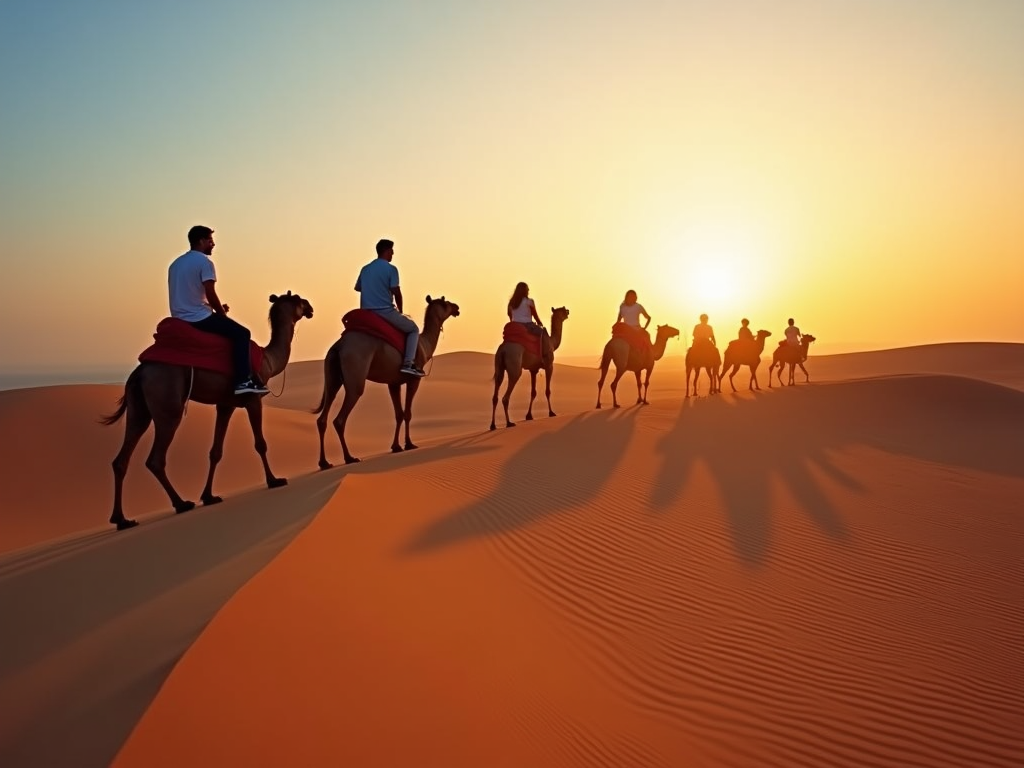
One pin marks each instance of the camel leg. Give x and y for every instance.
(395, 390)
(137, 421)
(220, 429)
(513, 379)
(330, 392)
(647, 383)
(353, 391)
(639, 396)
(619, 373)
(732, 373)
(807, 376)
(600, 382)
(792, 374)
(533, 393)
(165, 425)
(499, 376)
(547, 387)
(753, 376)
(410, 392)
(254, 409)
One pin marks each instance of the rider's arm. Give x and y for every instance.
(533, 311)
(212, 298)
(644, 312)
(397, 293)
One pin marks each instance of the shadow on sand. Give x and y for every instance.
(571, 465)
(784, 436)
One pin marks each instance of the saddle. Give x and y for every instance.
(516, 333)
(176, 342)
(372, 324)
(637, 338)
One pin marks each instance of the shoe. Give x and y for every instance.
(251, 386)
(409, 369)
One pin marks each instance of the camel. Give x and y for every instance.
(513, 359)
(626, 358)
(358, 357)
(708, 357)
(794, 356)
(158, 392)
(740, 353)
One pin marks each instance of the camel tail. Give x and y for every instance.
(332, 365)
(499, 368)
(122, 402)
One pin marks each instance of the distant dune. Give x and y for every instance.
(821, 575)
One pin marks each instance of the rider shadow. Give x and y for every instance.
(745, 452)
(548, 475)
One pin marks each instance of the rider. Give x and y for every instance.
(793, 334)
(191, 281)
(522, 309)
(380, 293)
(630, 310)
(744, 332)
(704, 333)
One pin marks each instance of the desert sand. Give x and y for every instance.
(830, 574)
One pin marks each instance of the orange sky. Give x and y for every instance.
(856, 166)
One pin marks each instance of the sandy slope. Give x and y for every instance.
(826, 576)
(823, 575)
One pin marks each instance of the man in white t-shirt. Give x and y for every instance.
(191, 281)
(380, 293)
(792, 334)
(704, 333)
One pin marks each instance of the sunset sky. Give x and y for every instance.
(858, 165)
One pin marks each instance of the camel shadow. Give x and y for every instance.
(790, 436)
(564, 475)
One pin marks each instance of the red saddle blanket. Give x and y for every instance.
(369, 322)
(178, 343)
(516, 333)
(638, 338)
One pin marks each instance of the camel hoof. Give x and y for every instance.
(598, 406)
(185, 506)
(411, 447)
(277, 482)
(325, 465)
(351, 460)
(551, 413)
(396, 449)
(208, 500)
(529, 417)
(493, 427)
(510, 424)
(124, 524)
(616, 406)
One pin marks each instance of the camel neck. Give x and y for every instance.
(556, 331)
(278, 350)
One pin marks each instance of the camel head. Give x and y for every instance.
(440, 309)
(763, 335)
(561, 315)
(289, 306)
(807, 339)
(666, 332)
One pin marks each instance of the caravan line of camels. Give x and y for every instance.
(157, 393)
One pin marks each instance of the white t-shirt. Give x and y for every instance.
(793, 335)
(702, 332)
(524, 312)
(185, 278)
(631, 314)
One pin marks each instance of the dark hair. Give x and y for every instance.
(518, 295)
(630, 291)
(197, 233)
(703, 317)
(744, 321)
(791, 321)
(383, 245)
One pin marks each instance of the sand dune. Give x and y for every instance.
(817, 575)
